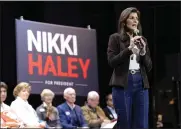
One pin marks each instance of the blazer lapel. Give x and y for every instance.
(77, 114)
(67, 111)
(125, 39)
(43, 111)
(110, 113)
(127, 43)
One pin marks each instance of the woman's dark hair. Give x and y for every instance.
(107, 96)
(3, 85)
(122, 28)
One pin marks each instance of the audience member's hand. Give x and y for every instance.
(107, 121)
(101, 119)
(12, 124)
(52, 117)
(22, 125)
(159, 121)
(42, 124)
(159, 124)
(171, 102)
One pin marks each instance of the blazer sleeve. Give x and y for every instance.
(106, 112)
(83, 121)
(146, 59)
(39, 113)
(116, 52)
(102, 112)
(58, 124)
(63, 120)
(91, 123)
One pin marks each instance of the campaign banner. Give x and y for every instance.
(56, 57)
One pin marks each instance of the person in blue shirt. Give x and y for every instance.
(70, 114)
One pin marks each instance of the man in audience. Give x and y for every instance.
(71, 116)
(109, 110)
(8, 117)
(93, 114)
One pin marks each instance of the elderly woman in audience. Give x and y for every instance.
(47, 112)
(23, 109)
(71, 116)
(94, 114)
(8, 117)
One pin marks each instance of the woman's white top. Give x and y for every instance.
(25, 111)
(134, 65)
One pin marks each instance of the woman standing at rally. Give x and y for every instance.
(129, 56)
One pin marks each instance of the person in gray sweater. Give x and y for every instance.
(46, 112)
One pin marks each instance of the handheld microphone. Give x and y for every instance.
(136, 32)
(138, 43)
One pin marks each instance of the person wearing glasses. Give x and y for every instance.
(70, 114)
(94, 115)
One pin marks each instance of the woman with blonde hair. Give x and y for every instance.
(23, 109)
(46, 111)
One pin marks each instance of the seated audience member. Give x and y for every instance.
(93, 114)
(109, 110)
(71, 116)
(23, 109)
(8, 116)
(167, 110)
(159, 121)
(47, 112)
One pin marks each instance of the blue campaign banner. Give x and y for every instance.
(56, 57)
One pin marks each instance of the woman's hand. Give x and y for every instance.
(12, 124)
(133, 42)
(107, 121)
(101, 119)
(42, 124)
